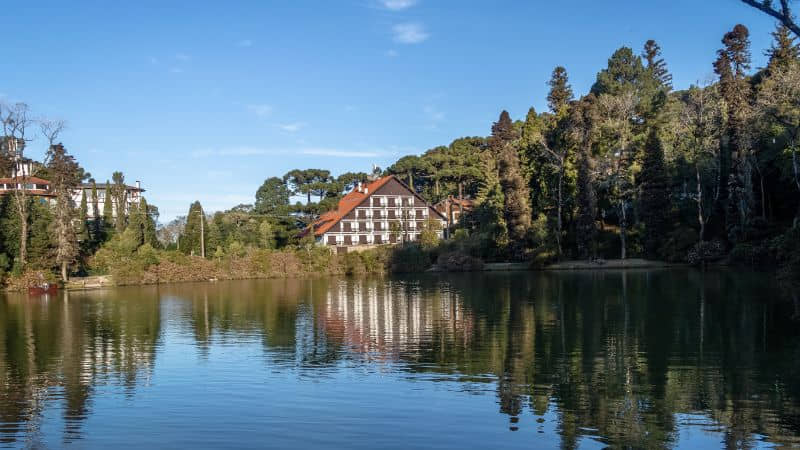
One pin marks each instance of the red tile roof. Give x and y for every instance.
(348, 203)
(34, 180)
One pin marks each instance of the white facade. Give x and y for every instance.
(133, 194)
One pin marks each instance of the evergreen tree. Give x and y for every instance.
(108, 209)
(149, 217)
(83, 221)
(560, 91)
(189, 241)
(736, 185)
(655, 206)
(136, 224)
(272, 197)
(625, 70)
(119, 193)
(516, 206)
(784, 50)
(656, 65)
(97, 220)
(65, 176)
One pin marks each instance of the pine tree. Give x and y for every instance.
(149, 223)
(108, 209)
(656, 65)
(97, 220)
(83, 221)
(655, 206)
(120, 193)
(784, 50)
(136, 225)
(189, 241)
(65, 176)
(560, 91)
(516, 206)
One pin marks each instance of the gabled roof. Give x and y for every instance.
(348, 203)
(34, 180)
(353, 199)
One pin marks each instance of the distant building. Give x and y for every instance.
(384, 211)
(133, 194)
(452, 208)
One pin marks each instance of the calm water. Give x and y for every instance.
(518, 360)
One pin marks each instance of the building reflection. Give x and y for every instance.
(623, 358)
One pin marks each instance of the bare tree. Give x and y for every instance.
(783, 14)
(15, 122)
(51, 129)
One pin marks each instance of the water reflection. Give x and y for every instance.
(620, 358)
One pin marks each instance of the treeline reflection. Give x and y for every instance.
(623, 357)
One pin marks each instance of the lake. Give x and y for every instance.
(664, 358)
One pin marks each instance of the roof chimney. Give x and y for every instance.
(138, 184)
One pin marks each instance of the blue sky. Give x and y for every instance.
(204, 100)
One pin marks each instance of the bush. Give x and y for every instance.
(410, 258)
(456, 261)
(678, 245)
(706, 251)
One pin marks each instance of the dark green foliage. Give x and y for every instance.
(656, 66)
(624, 69)
(272, 198)
(784, 50)
(560, 91)
(655, 207)
(516, 206)
(585, 228)
(189, 242)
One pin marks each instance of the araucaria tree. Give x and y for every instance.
(736, 159)
(65, 177)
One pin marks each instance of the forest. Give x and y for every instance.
(632, 168)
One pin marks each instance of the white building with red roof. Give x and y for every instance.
(384, 211)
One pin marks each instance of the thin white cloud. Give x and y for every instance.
(391, 53)
(340, 153)
(153, 60)
(260, 109)
(409, 33)
(245, 43)
(182, 57)
(176, 70)
(397, 5)
(433, 113)
(246, 151)
(292, 127)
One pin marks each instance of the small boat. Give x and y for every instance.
(42, 289)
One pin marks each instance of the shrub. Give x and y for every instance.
(456, 261)
(706, 251)
(679, 243)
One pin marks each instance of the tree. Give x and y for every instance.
(560, 91)
(516, 206)
(655, 199)
(108, 208)
(150, 219)
(15, 122)
(83, 220)
(349, 180)
(784, 14)
(624, 71)
(119, 195)
(97, 227)
(582, 131)
(308, 181)
(411, 167)
(784, 51)
(656, 66)
(736, 164)
(65, 177)
(190, 241)
(272, 197)
(779, 99)
(701, 119)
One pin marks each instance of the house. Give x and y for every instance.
(133, 194)
(383, 211)
(34, 186)
(452, 208)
